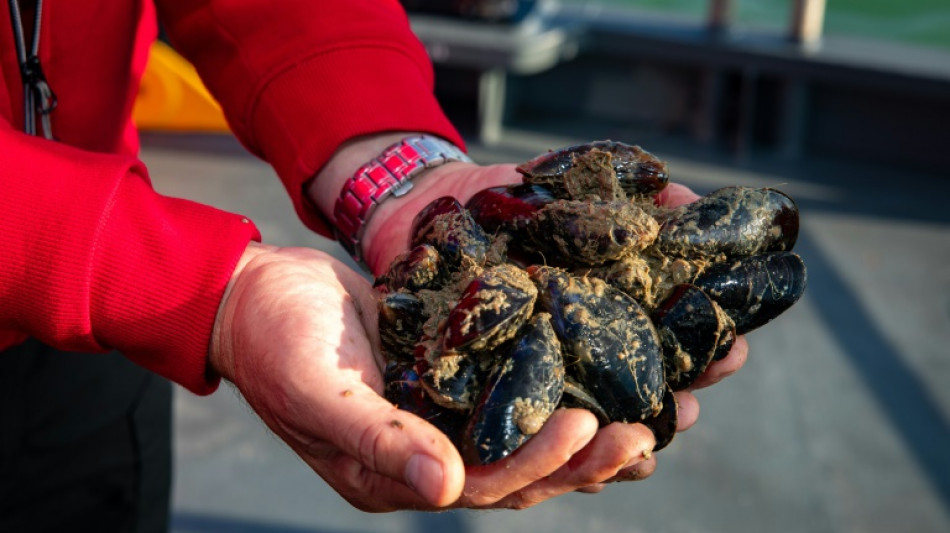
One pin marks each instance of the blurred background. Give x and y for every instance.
(839, 422)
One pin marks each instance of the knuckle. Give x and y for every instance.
(480, 500)
(520, 501)
(369, 439)
(592, 489)
(593, 477)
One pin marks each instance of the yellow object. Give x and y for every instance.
(173, 98)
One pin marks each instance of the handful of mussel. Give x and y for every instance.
(575, 288)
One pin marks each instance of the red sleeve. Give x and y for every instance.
(95, 259)
(296, 78)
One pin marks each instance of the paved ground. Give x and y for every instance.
(840, 422)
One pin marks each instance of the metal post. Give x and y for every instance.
(720, 15)
(706, 126)
(793, 118)
(808, 17)
(745, 130)
(491, 105)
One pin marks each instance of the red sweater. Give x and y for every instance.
(94, 258)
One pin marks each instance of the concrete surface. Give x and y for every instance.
(839, 422)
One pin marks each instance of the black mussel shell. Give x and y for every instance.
(491, 310)
(404, 390)
(573, 231)
(521, 392)
(401, 316)
(690, 327)
(754, 290)
(731, 221)
(451, 381)
(440, 206)
(663, 425)
(576, 396)
(610, 345)
(639, 172)
(450, 229)
(725, 343)
(417, 269)
(508, 208)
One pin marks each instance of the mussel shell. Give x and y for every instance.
(731, 221)
(452, 381)
(639, 172)
(520, 393)
(610, 344)
(663, 425)
(690, 328)
(450, 228)
(404, 390)
(725, 343)
(576, 396)
(491, 310)
(755, 290)
(416, 269)
(401, 316)
(648, 277)
(573, 231)
(440, 206)
(591, 177)
(508, 208)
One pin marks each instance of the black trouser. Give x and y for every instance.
(85, 443)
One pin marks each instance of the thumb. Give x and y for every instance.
(675, 195)
(394, 444)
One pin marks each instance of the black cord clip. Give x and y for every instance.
(33, 77)
(37, 94)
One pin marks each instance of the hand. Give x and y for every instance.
(295, 334)
(569, 453)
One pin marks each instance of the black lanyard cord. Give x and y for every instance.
(37, 94)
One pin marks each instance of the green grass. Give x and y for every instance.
(917, 22)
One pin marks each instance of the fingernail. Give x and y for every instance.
(424, 475)
(584, 437)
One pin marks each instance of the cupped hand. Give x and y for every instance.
(295, 334)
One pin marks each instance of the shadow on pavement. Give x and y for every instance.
(900, 393)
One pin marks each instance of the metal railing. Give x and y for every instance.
(805, 24)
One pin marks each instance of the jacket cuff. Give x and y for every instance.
(158, 275)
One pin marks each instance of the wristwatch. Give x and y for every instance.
(385, 176)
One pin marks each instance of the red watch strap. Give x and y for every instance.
(385, 176)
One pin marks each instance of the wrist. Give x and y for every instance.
(325, 187)
(387, 232)
(221, 349)
(377, 182)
